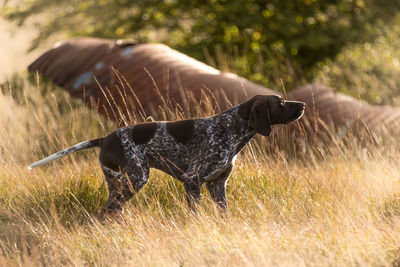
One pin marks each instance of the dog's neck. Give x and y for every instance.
(240, 129)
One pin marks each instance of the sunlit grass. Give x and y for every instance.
(340, 207)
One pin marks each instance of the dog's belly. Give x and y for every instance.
(186, 162)
(172, 157)
(175, 165)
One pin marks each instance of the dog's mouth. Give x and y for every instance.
(297, 114)
(300, 113)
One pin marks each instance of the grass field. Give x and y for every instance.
(331, 205)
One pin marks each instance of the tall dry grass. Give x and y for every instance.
(332, 204)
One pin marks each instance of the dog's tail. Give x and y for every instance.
(67, 151)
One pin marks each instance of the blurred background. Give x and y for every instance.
(335, 202)
(14, 44)
(350, 45)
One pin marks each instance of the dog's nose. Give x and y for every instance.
(300, 105)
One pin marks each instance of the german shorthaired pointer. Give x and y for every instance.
(194, 151)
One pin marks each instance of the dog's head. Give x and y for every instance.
(265, 110)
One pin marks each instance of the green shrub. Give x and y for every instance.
(267, 42)
(368, 71)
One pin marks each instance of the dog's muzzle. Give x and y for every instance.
(297, 110)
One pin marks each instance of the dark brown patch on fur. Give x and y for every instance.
(244, 109)
(112, 153)
(142, 133)
(259, 118)
(256, 111)
(181, 131)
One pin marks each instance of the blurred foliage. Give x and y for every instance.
(369, 71)
(266, 41)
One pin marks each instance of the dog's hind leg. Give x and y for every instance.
(116, 197)
(123, 185)
(114, 183)
(137, 172)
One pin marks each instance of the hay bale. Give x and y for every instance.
(123, 79)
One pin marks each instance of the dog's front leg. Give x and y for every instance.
(192, 188)
(217, 189)
(217, 193)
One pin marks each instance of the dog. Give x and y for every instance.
(194, 151)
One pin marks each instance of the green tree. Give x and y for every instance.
(369, 71)
(264, 41)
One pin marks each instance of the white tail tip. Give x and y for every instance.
(29, 168)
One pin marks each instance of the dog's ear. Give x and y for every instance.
(259, 118)
(245, 109)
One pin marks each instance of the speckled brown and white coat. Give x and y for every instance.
(195, 151)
